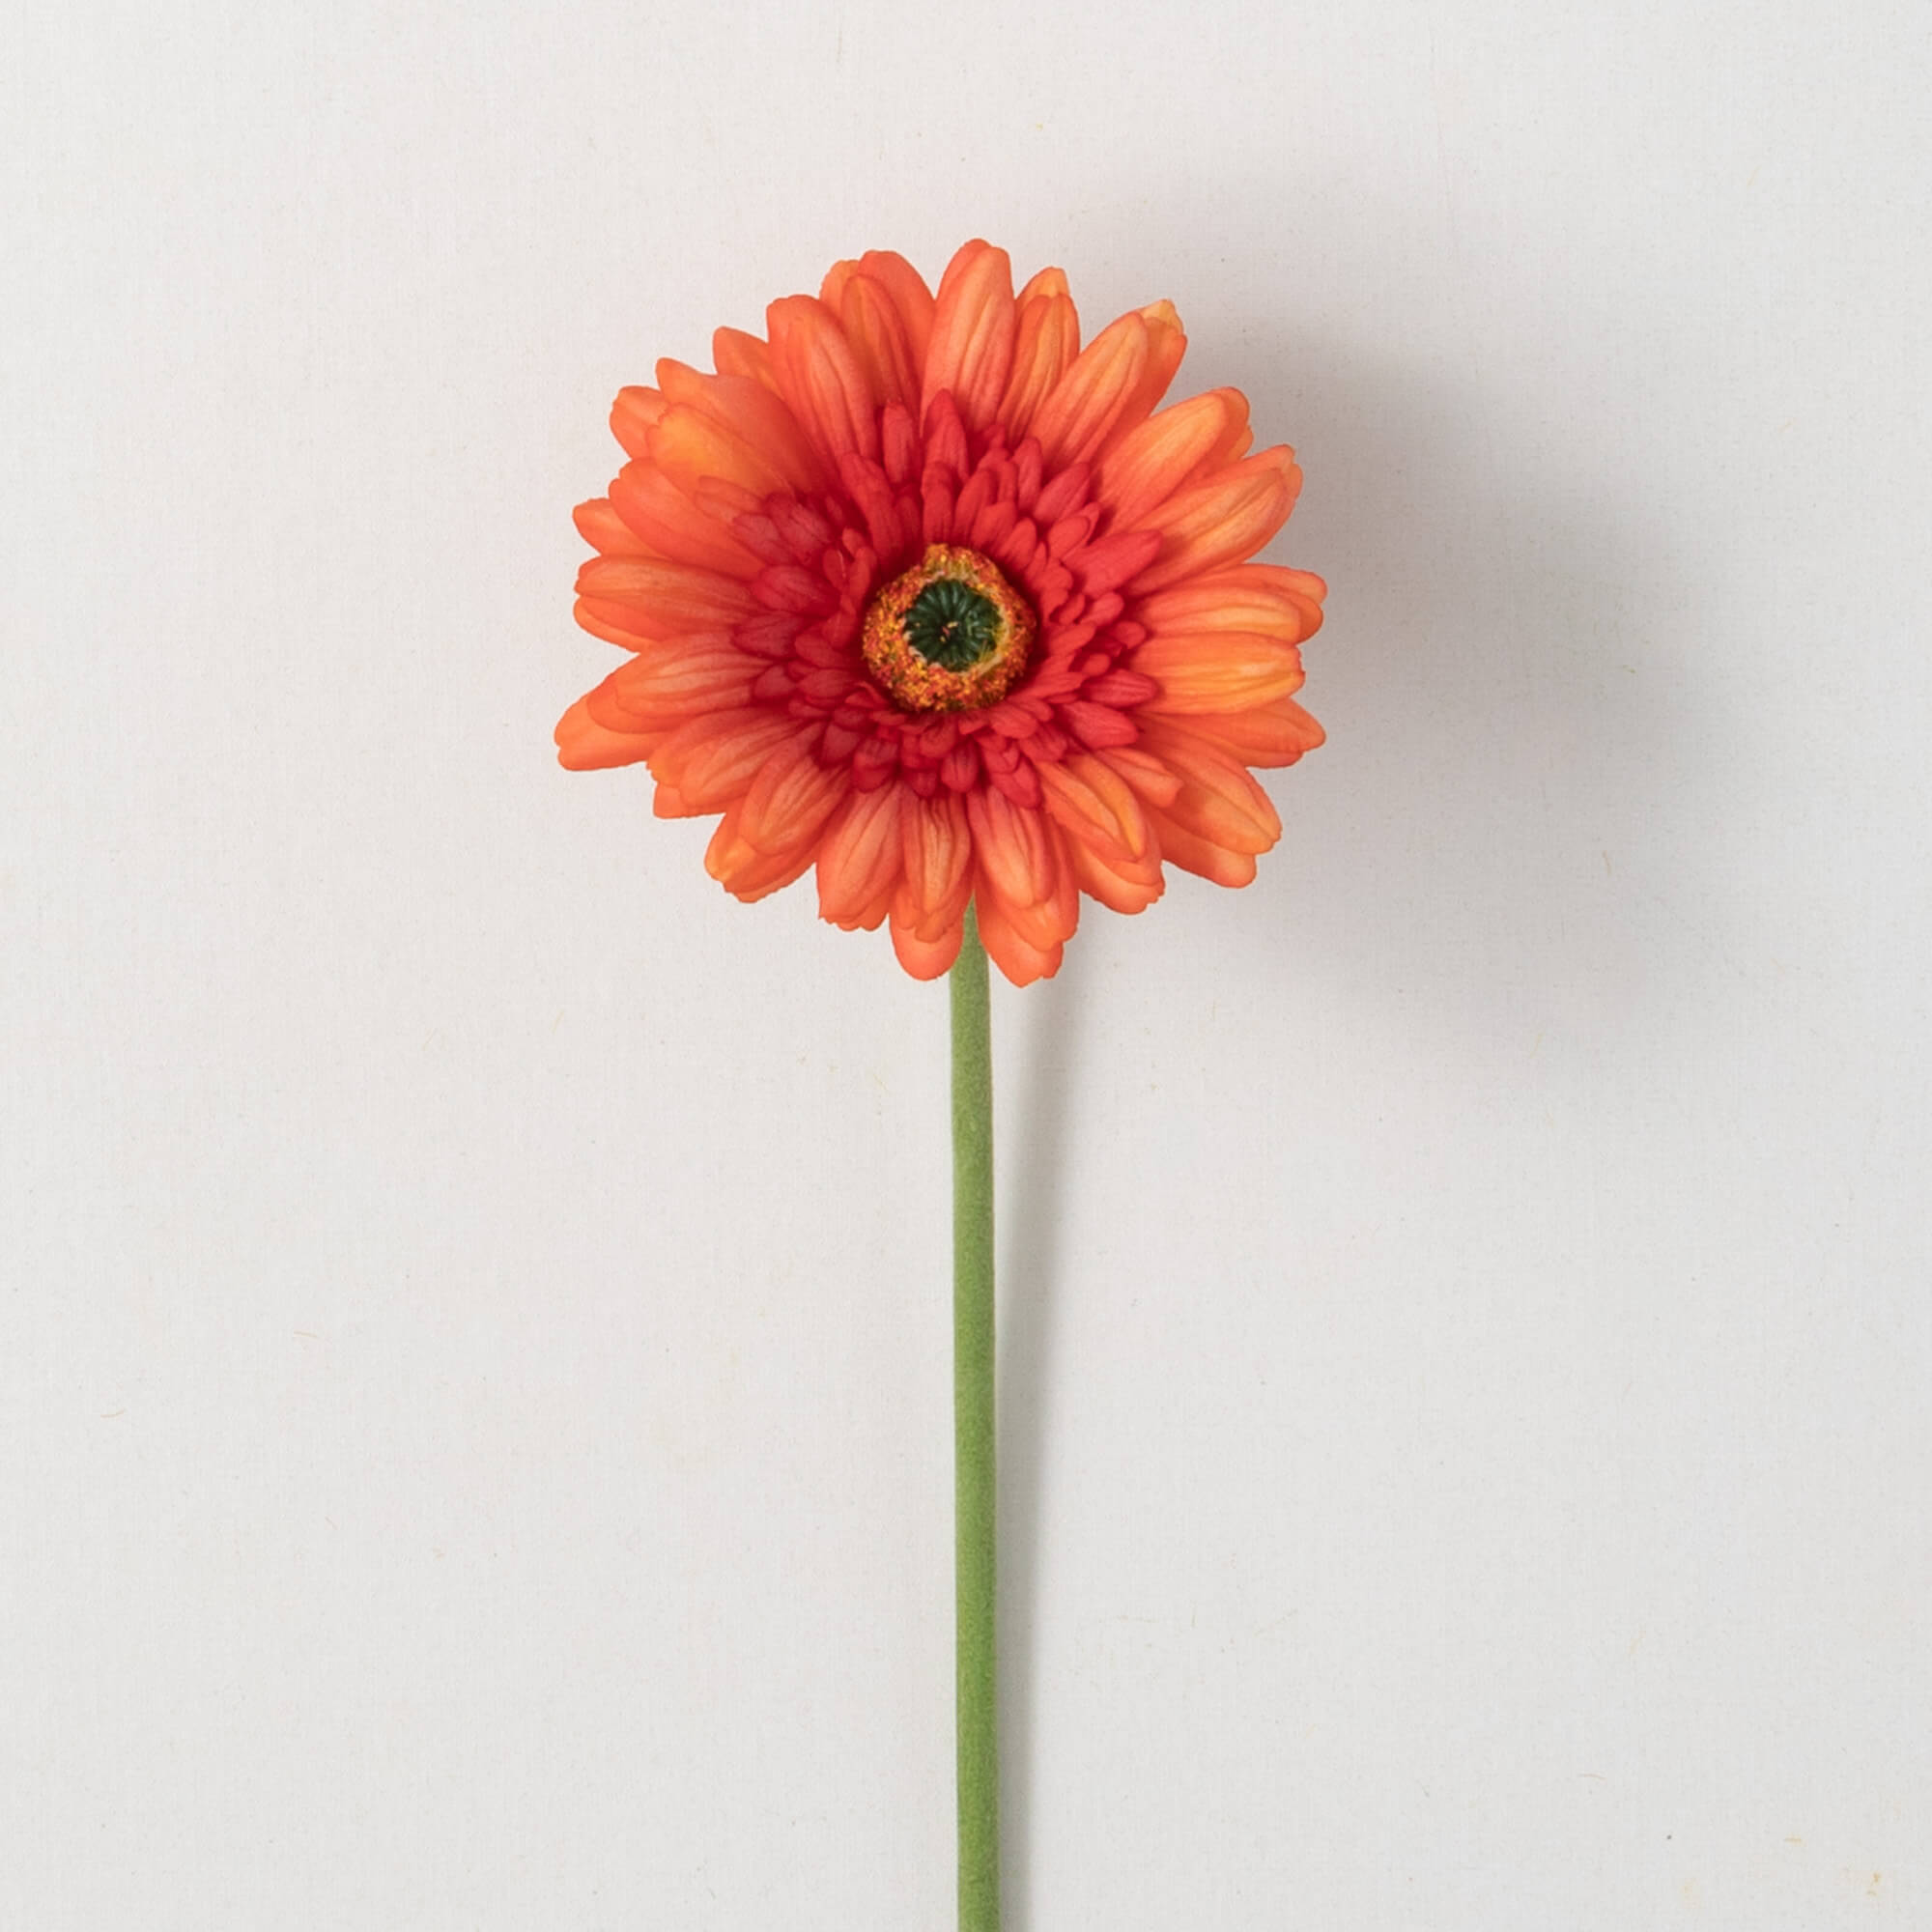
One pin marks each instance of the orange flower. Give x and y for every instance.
(920, 592)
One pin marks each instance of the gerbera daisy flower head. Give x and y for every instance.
(921, 594)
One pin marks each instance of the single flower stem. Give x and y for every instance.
(977, 1734)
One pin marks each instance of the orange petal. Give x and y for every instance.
(668, 522)
(600, 525)
(1181, 846)
(974, 325)
(582, 745)
(660, 599)
(1017, 956)
(1013, 846)
(632, 415)
(1167, 344)
(909, 294)
(754, 413)
(711, 761)
(862, 859)
(1229, 515)
(1016, 860)
(837, 279)
(742, 869)
(612, 622)
(693, 449)
(1151, 463)
(821, 378)
(1218, 800)
(1269, 736)
(671, 683)
(1048, 340)
(1217, 671)
(877, 334)
(1044, 287)
(1086, 403)
(926, 958)
(734, 353)
(903, 287)
(1095, 807)
(790, 799)
(1130, 885)
(1267, 599)
(936, 851)
(1150, 778)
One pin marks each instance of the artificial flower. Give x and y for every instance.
(921, 593)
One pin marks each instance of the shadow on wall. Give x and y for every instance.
(1508, 679)
(1032, 1217)
(1512, 804)
(1514, 797)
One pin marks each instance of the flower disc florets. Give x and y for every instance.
(950, 635)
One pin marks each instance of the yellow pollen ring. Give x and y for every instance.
(915, 682)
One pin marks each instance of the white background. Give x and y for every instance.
(473, 1382)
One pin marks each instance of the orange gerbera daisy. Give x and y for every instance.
(921, 593)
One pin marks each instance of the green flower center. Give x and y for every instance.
(951, 625)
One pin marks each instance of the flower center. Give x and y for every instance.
(950, 635)
(952, 625)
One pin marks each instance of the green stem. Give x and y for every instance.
(977, 1733)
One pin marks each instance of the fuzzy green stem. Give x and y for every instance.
(978, 1735)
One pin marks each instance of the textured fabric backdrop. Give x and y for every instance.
(473, 1379)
